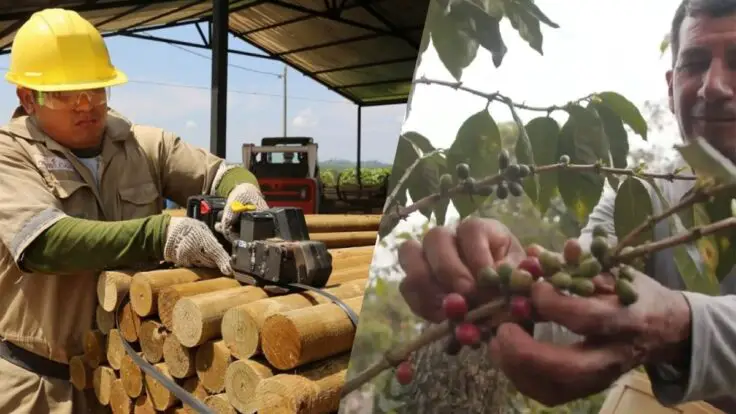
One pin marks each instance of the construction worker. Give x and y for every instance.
(82, 190)
(684, 339)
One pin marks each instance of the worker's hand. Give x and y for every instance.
(245, 193)
(654, 330)
(448, 261)
(190, 243)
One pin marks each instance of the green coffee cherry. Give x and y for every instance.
(488, 278)
(551, 263)
(582, 287)
(565, 159)
(502, 192)
(589, 268)
(626, 293)
(560, 280)
(521, 282)
(463, 171)
(503, 159)
(504, 273)
(446, 183)
(516, 189)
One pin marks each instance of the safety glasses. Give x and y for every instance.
(73, 99)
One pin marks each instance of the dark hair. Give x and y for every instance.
(711, 8)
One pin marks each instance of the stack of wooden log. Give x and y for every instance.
(238, 348)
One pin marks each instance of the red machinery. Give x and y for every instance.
(287, 171)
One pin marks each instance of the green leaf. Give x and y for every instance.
(707, 161)
(633, 206)
(717, 250)
(484, 25)
(684, 256)
(425, 181)
(543, 134)
(618, 138)
(525, 23)
(453, 41)
(664, 44)
(535, 11)
(581, 139)
(626, 110)
(525, 155)
(478, 143)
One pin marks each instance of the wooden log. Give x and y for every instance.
(241, 379)
(152, 336)
(168, 296)
(346, 239)
(112, 286)
(317, 223)
(241, 325)
(143, 405)
(145, 286)
(219, 404)
(179, 359)
(352, 252)
(350, 262)
(115, 350)
(102, 380)
(95, 348)
(81, 373)
(160, 396)
(131, 376)
(314, 391)
(120, 402)
(194, 386)
(346, 275)
(104, 320)
(331, 223)
(197, 318)
(211, 362)
(297, 337)
(129, 323)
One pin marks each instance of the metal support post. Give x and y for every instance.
(218, 104)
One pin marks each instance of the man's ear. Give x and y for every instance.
(25, 99)
(670, 97)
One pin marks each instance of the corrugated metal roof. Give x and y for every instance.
(365, 50)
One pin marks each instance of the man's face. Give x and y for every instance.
(703, 80)
(74, 120)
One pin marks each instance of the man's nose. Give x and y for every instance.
(717, 83)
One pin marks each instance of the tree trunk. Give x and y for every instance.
(464, 383)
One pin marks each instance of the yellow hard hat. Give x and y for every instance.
(58, 50)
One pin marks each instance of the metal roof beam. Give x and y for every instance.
(366, 4)
(374, 83)
(331, 15)
(366, 65)
(191, 44)
(329, 44)
(300, 70)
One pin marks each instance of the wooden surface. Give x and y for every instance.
(633, 394)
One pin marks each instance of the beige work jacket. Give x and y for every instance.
(42, 182)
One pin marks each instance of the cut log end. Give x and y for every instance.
(130, 323)
(211, 362)
(179, 359)
(152, 336)
(219, 404)
(103, 378)
(240, 332)
(160, 396)
(132, 377)
(120, 402)
(187, 323)
(112, 287)
(81, 373)
(241, 380)
(115, 350)
(95, 348)
(282, 345)
(141, 295)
